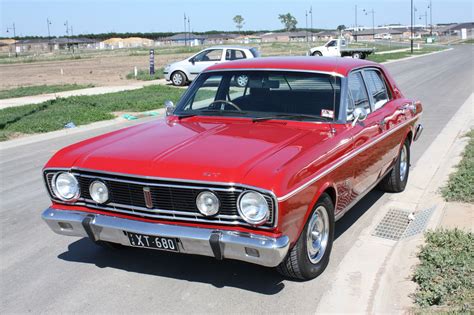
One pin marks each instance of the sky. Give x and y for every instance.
(104, 16)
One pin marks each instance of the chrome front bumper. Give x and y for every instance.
(252, 248)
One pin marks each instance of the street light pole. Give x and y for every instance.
(373, 20)
(355, 27)
(14, 36)
(185, 36)
(189, 29)
(411, 19)
(311, 14)
(430, 6)
(306, 25)
(48, 23)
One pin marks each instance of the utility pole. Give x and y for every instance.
(185, 37)
(189, 30)
(311, 14)
(48, 23)
(355, 27)
(306, 26)
(411, 19)
(430, 6)
(373, 20)
(14, 36)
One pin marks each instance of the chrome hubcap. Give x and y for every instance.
(318, 234)
(403, 163)
(177, 79)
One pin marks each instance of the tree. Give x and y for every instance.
(288, 20)
(341, 28)
(239, 22)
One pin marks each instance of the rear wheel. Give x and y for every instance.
(310, 255)
(178, 78)
(396, 180)
(358, 55)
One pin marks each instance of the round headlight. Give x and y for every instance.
(99, 191)
(66, 186)
(253, 208)
(207, 203)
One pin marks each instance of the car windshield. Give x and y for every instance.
(264, 95)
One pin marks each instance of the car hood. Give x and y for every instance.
(217, 150)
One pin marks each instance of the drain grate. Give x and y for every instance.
(393, 225)
(419, 223)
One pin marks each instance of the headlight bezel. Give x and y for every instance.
(98, 181)
(56, 192)
(216, 212)
(245, 217)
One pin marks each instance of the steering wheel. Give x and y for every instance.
(226, 102)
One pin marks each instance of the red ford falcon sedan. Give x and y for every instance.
(256, 162)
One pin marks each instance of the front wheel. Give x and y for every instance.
(317, 54)
(358, 55)
(178, 78)
(310, 255)
(396, 180)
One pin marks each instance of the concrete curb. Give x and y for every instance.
(373, 277)
(417, 56)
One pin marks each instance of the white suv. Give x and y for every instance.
(182, 72)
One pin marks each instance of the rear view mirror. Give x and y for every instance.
(192, 60)
(169, 107)
(360, 114)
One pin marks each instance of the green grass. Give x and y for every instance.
(445, 273)
(144, 75)
(81, 110)
(460, 186)
(399, 55)
(40, 89)
(468, 41)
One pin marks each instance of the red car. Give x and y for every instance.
(256, 162)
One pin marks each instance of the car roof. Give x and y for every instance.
(336, 65)
(228, 47)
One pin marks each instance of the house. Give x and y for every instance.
(185, 38)
(299, 36)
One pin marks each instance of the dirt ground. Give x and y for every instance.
(100, 71)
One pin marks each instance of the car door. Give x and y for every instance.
(390, 114)
(203, 60)
(332, 49)
(370, 152)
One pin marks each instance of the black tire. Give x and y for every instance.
(357, 55)
(297, 264)
(178, 78)
(317, 54)
(109, 245)
(393, 181)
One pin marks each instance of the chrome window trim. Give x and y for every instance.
(346, 158)
(228, 187)
(275, 69)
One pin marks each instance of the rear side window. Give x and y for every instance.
(255, 52)
(358, 92)
(377, 88)
(233, 54)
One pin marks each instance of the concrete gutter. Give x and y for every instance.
(374, 276)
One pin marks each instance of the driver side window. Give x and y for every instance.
(209, 55)
(331, 43)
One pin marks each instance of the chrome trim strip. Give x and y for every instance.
(344, 159)
(192, 240)
(275, 69)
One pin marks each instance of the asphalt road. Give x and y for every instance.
(44, 272)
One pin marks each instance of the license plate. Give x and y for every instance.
(154, 242)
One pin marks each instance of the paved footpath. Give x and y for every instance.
(48, 273)
(35, 99)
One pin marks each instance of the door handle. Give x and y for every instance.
(382, 124)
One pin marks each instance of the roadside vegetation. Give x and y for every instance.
(144, 75)
(460, 186)
(445, 273)
(40, 89)
(81, 110)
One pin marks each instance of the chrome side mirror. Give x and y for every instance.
(360, 114)
(169, 107)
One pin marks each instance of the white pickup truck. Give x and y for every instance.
(338, 48)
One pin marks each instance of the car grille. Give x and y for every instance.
(171, 200)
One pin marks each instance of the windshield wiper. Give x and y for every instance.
(207, 111)
(291, 116)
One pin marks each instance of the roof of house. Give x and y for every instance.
(336, 65)
(186, 36)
